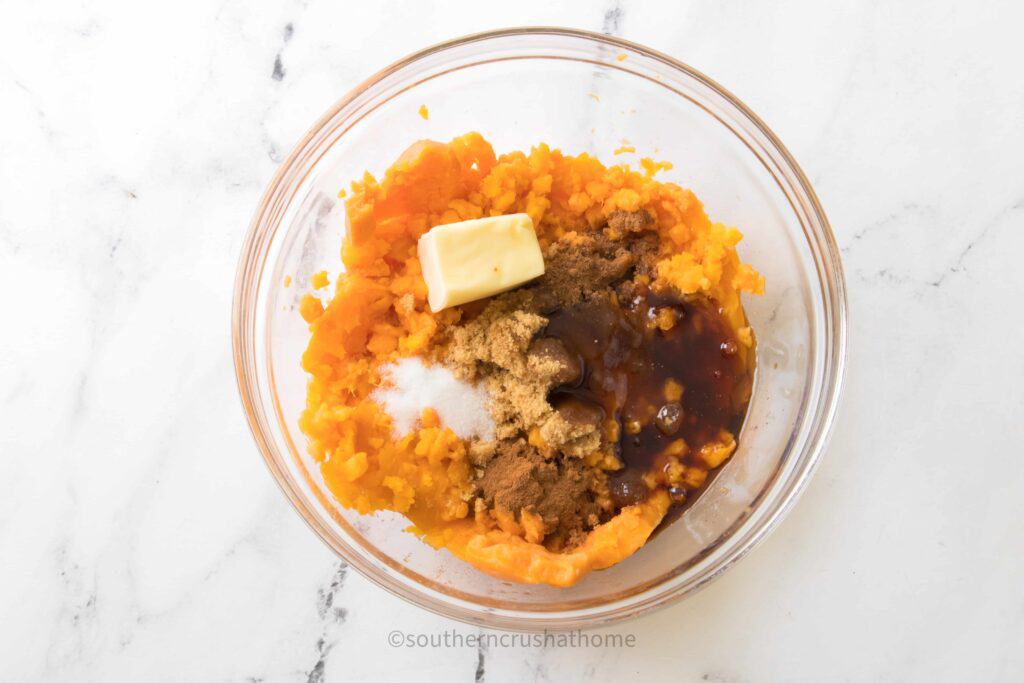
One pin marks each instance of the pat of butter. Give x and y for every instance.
(475, 259)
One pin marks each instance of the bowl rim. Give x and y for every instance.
(253, 259)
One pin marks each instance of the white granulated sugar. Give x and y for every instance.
(412, 386)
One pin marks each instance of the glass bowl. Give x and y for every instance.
(580, 92)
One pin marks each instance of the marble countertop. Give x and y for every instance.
(141, 536)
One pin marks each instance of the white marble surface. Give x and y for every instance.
(141, 537)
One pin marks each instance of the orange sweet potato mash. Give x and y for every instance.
(379, 312)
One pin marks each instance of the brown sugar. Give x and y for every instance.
(494, 348)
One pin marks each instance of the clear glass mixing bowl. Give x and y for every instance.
(580, 92)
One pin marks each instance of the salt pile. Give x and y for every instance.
(412, 386)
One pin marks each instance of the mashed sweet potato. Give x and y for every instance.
(379, 312)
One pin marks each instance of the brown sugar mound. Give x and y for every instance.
(494, 348)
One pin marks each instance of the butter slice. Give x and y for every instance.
(475, 259)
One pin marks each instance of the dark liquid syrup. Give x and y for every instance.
(627, 360)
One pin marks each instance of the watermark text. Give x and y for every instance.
(451, 638)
